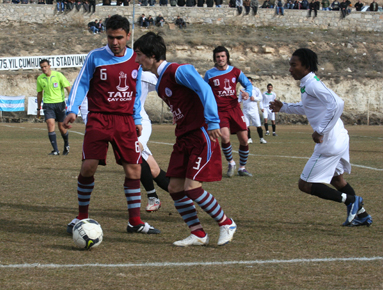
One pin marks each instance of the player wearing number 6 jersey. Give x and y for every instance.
(196, 155)
(111, 80)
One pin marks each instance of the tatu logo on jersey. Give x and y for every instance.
(228, 89)
(122, 94)
(177, 114)
(303, 90)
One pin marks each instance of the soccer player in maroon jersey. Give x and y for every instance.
(223, 79)
(111, 79)
(196, 155)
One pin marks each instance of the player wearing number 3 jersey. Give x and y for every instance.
(196, 155)
(111, 80)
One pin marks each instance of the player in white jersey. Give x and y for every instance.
(330, 159)
(251, 112)
(149, 167)
(268, 97)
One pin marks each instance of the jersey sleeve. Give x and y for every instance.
(64, 82)
(188, 76)
(293, 108)
(257, 95)
(81, 85)
(244, 81)
(333, 104)
(39, 88)
(137, 102)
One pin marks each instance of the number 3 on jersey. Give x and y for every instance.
(198, 163)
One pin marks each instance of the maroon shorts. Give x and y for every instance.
(196, 157)
(233, 119)
(119, 130)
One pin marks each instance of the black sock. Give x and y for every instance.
(273, 125)
(147, 179)
(260, 132)
(65, 138)
(267, 127)
(52, 138)
(162, 181)
(323, 191)
(248, 133)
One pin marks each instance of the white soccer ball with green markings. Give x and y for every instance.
(87, 234)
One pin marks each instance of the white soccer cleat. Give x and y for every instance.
(192, 240)
(267, 133)
(153, 204)
(250, 141)
(226, 233)
(263, 141)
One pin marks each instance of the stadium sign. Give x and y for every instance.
(33, 62)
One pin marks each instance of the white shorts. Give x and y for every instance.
(144, 138)
(252, 117)
(322, 168)
(267, 114)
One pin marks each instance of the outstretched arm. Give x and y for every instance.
(276, 106)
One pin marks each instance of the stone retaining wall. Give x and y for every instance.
(356, 21)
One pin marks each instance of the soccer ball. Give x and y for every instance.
(87, 234)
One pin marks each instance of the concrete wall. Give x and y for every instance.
(361, 21)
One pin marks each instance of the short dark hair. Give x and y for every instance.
(44, 60)
(308, 58)
(250, 78)
(269, 85)
(221, 49)
(151, 44)
(116, 22)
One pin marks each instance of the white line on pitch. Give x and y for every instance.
(189, 264)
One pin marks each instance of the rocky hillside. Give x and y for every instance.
(350, 63)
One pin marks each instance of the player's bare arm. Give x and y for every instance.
(138, 130)
(245, 95)
(275, 106)
(317, 137)
(70, 118)
(214, 134)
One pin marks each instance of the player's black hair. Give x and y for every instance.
(308, 58)
(116, 22)
(221, 49)
(268, 85)
(151, 44)
(44, 60)
(250, 78)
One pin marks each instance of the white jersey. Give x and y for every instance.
(250, 108)
(323, 109)
(266, 99)
(148, 84)
(249, 104)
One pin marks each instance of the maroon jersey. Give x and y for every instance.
(111, 84)
(224, 86)
(184, 103)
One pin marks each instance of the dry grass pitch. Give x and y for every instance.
(285, 239)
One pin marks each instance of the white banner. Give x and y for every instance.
(33, 62)
(32, 106)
